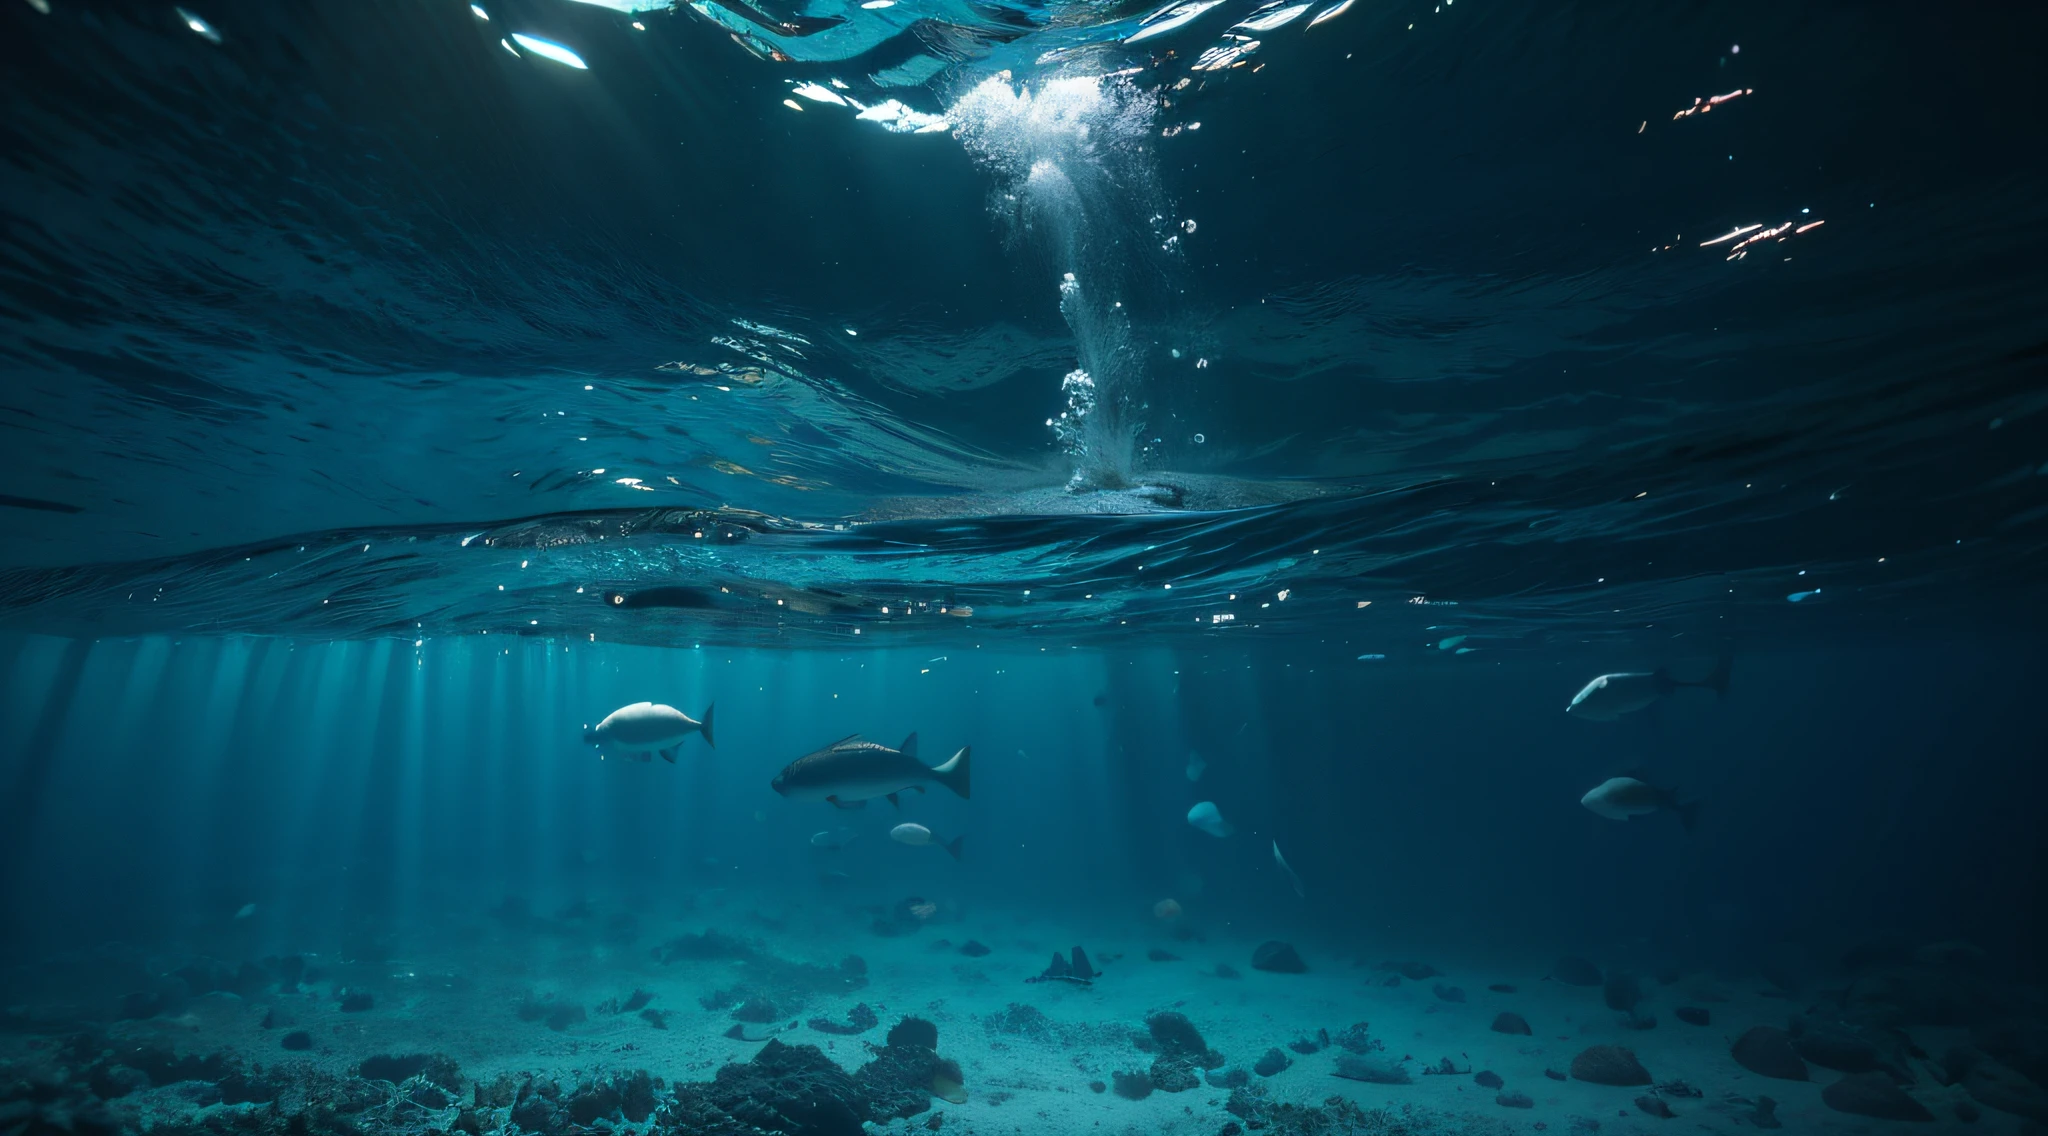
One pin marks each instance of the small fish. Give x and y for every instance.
(640, 731)
(834, 838)
(850, 771)
(918, 835)
(1207, 817)
(246, 911)
(1282, 861)
(1619, 798)
(1196, 766)
(1612, 695)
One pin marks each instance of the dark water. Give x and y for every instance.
(1326, 390)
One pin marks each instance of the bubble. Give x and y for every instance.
(1200, 438)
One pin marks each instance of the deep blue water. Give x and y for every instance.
(390, 390)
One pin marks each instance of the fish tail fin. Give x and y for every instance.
(953, 775)
(704, 727)
(1689, 815)
(953, 845)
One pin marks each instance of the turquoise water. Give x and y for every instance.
(1246, 432)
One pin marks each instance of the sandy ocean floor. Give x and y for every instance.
(1023, 1074)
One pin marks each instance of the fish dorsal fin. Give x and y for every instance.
(909, 746)
(845, 741)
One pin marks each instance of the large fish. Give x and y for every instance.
(1611, 695)
(849, 772)
(640, 731)
(1619, 798)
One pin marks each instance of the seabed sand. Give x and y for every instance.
(461, 997)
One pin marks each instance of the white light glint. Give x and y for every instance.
(204, 29)
(1731, 235)
(1332, 12)
(509, 49)
(1175, 16)
(820, 93)
(878, 5)
(1224, 55)
(550, 51)
(1279, 18)
(792, 104)
(478, 11)
(899, 119)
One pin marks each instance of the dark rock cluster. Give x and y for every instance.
(860, 1019)
(1767, 1051)
(1356, 1038)
(1609, 1065)
(1182, 1053)
(1336, 1116)
(1278, 957)
(86, 1086)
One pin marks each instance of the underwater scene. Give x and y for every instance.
(1017, 567)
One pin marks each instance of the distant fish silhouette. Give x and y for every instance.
(1282, 861)
(918, 835)
(1612, 695)
(1207, 817)
(1619, 798)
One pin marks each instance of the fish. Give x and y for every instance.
(847, 773)
(834, 838)
(1282, 861)
(245, 911)
(1619, 798)
(643, 729)
(1196, 766)
(1207, 817)
(1612, 695)
(918, 835)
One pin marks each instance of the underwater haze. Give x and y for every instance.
(817, 567)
